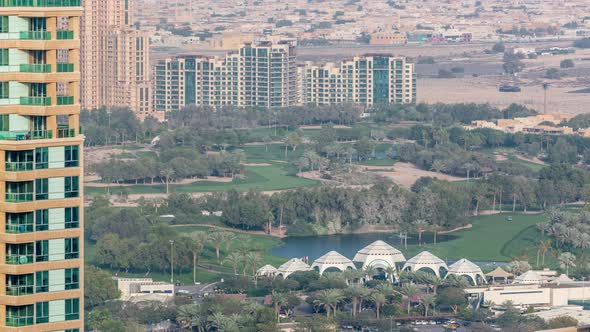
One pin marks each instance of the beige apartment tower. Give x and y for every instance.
(41, 205)
(115, 58)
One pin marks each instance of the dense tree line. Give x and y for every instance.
(170, 165)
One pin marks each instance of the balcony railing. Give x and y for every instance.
(19, 259)
(35, 68)
(65, 35)
(35, 101)
(22, 166)
(20, 290)
(39, 3)
(65, 100)
(65, 67)
(35, 35)
(19, 229)
(25, 135)
(19, 197)
(66, 132)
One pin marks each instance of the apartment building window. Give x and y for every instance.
(72, 279)
(72, 309)
(42, 281)
(71, 187)
(4, 90)
(3, 24)
(42, 312)
(41, 220)
(72, 248)
(4, 57)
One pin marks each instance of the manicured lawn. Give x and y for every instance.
(533, 166)
(259, 178)
(492, 238)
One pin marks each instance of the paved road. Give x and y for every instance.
(196, 291)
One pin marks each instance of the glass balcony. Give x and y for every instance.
(19, 197)
(65, 100)
(19, 166)
(19, 321)
(39, 3)
(19, 290)
(35, 35)
(19, 259)
(35, 68)
(25, 135)
(66, 132)
(19, 228)
(65, 67)
(65, 35)
(35, 101)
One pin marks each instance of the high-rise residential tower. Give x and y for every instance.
(366, 80)
(261, 74)
(115, 58)
(41, 205)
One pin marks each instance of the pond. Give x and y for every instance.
(348, 244)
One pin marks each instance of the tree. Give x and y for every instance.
(379, 299)
(216, 239)
(356, 294)
(199, 239)
(427, 301)
(234, 259)
(566, 260)
(99, 287)
(562, 321)
(553, 74)
(512, 64)
(542, 248)
(567, 63)
(452, 297)
(420, 225)
(189, 316)
(409, 291)
(167, 174)
(498, 48)
(328, 299)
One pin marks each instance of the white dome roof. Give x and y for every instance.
(425, 260)
(464, 266)
(379, 251)
(266, 270)
(332, 259)
(529, 277)
(291, 266)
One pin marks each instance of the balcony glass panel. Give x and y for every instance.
(25, 135)
(65, 67)
(65, 100)
(65, 132)
(35, 68)
(17, 316)
(34, 35)
(35, 101)
(39, 3)
(64, 34)
(18, 223)
(19, 254)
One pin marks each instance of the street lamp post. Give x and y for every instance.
(172, 262)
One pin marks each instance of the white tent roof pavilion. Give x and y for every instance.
(468, 269)
(426, 261)
(379, 255)
(291, 266)
(332, 260)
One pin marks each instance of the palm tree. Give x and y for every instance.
(456, 281)
(427, 301)
(379, 299)
(270, 217)
(420, 226)
(216, 238)
(566, 260)
(356, 294)
(189, 316)
(199, 240)
(216, 321)
(228, 237)
(234, 259)
(435, 228)
(390, 271)
(278, 300)
(329, 300)
(253, 259)
(542, 247)
(409, 291)
(167, 174)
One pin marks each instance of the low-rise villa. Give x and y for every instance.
(529, 278)
(291, 266)
(332, 261)
(379, 255)
(267, 271)
(427, 262)
(466, 268)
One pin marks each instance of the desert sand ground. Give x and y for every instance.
(406, 174)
